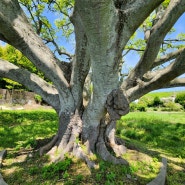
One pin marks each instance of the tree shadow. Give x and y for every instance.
(30, 130)
(157, 137)
(21, 129)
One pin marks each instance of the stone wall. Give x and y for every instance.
(16, 97)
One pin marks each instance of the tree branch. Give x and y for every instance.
(19, 33)
(3, 38)
(167, 57)
(128, 11)
(81, 61)
(179, 82)
(31, 81)
(174, 40)
(55, 2)
(159, 79)
(157, 34)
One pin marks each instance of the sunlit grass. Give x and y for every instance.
(147, 135)
(162, 94)
(159, 134)
(19, 128)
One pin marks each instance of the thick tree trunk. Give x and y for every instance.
(98, 138)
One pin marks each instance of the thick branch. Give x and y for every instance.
(128, 11)
(161, 78)
(31, 81)
(18, 32)
(3, 38)
(157, 34)
(179, 82)
(167, 57)
(81, 61)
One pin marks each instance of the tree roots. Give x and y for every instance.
(70, 143)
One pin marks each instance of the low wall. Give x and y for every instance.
(16, 97)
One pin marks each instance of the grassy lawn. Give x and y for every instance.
(158, 134)
(148, 136)
(162, 94)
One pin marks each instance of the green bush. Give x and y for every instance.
(147, 101)
(180, 98)
(38, 98)
(133, 107)
(157, 102)
(141, 107)
(172, 106)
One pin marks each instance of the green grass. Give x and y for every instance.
(158, 134)
(152, 134)
(21, 128)
(162, 94)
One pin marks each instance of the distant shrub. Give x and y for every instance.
(180, 98)
(157, 102)
(141, 107)
(172, 106)
(133, 107)
(147, 101)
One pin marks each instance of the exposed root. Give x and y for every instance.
(119, 149)
(65, 144)
(78, 152)
(107, 156)
(48, 146)
(68, 142)
(102, 148)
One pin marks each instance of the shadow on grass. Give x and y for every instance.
(165, 136)
(35, 171)
(22, 128)
(158, 134)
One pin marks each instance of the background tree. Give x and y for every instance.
(102, 30)
(14, 56)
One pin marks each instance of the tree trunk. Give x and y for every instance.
(102, 29)
(98, 138)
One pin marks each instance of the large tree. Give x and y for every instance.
(102, 29)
